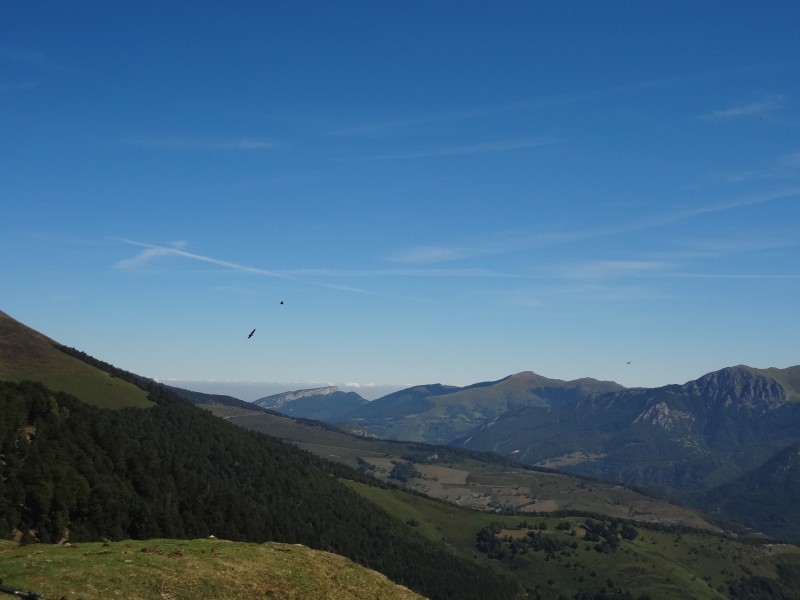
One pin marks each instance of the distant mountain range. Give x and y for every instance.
(685, 442)
(436, 414)
(675, 440)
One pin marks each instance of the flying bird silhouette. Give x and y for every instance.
(251, 334)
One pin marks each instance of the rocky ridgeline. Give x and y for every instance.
(276, 401)
(738, 386)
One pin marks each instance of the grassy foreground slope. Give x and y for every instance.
(191, 569)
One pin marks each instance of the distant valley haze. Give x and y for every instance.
(253, 390)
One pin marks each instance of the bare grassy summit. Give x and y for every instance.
(191, 569)
(27, 354)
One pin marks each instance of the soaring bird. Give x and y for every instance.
(251, 334)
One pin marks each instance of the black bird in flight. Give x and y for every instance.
(281, 301)
(251, 334)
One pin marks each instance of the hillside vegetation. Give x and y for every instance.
(191, 570)
(468, 478)
(27, 354)
(73, 471)
(584, 556)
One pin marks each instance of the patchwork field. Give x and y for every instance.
(464, 478)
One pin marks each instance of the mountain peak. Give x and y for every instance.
(740, 385)
(276, 401)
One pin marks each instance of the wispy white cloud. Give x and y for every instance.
(782, 167)
(758, 107)
(467, 149)
(683, 213)
(725, 245)
(204, 144)
(733, 204)
(422, 272)
(28, 57)
(556, 291)
(610, 269)
(429, 254)
(397, 125)
(393, 126)
(152, 251)
(488, 245)
(754, 276)
(6, 88)
(145, 256)
(516, 241)
(356, 385)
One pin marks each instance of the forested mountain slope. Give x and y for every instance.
(70, 469)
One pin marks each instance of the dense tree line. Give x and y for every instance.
(174, 470)
(507, 549)
(403, 471)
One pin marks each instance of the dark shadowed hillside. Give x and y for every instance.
(765, 499)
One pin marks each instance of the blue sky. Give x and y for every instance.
(438, 191)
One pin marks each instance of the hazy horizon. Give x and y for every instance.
(250, 391)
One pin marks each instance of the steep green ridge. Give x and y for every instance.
(189, 570)
(27, 354)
